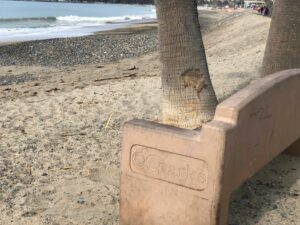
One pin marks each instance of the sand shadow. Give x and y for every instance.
(271, 191)
(228, 84)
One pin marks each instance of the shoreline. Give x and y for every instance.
(104, 46)
(85, 2)
(82, 32)
(142, 39)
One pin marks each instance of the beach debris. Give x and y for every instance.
(81, 201)
(129, 74)
(66, 168)
(108, 121)
(29, 214)
(116, 78)
(100, 67)
(80, 86)
(72, 134)
(40, 100)
(53, 89)
(132, 68)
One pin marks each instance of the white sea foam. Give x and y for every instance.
(102, 20)
(17, 34)
(71, 26)
(29, 19)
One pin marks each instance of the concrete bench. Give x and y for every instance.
(173, 176)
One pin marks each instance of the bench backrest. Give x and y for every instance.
(266, 120)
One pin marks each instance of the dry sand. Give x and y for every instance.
(59, 156)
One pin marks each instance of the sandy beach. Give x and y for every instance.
(63, 103)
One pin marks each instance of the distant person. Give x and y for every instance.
(265, 11)
(260, 9)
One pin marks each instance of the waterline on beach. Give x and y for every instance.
(23, 21)
(41, 33)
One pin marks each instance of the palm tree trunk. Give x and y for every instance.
(283, 45)
(188, 96)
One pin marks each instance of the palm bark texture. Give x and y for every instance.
(283, 44)
(188, 96)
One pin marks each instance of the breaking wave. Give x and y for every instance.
(104, 19)
(62, 26)
(37, 22)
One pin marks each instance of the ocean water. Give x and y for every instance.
(29, 20)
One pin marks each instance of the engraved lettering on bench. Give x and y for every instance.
(173, 168)
(264, 112)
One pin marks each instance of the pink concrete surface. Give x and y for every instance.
(173, 176)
